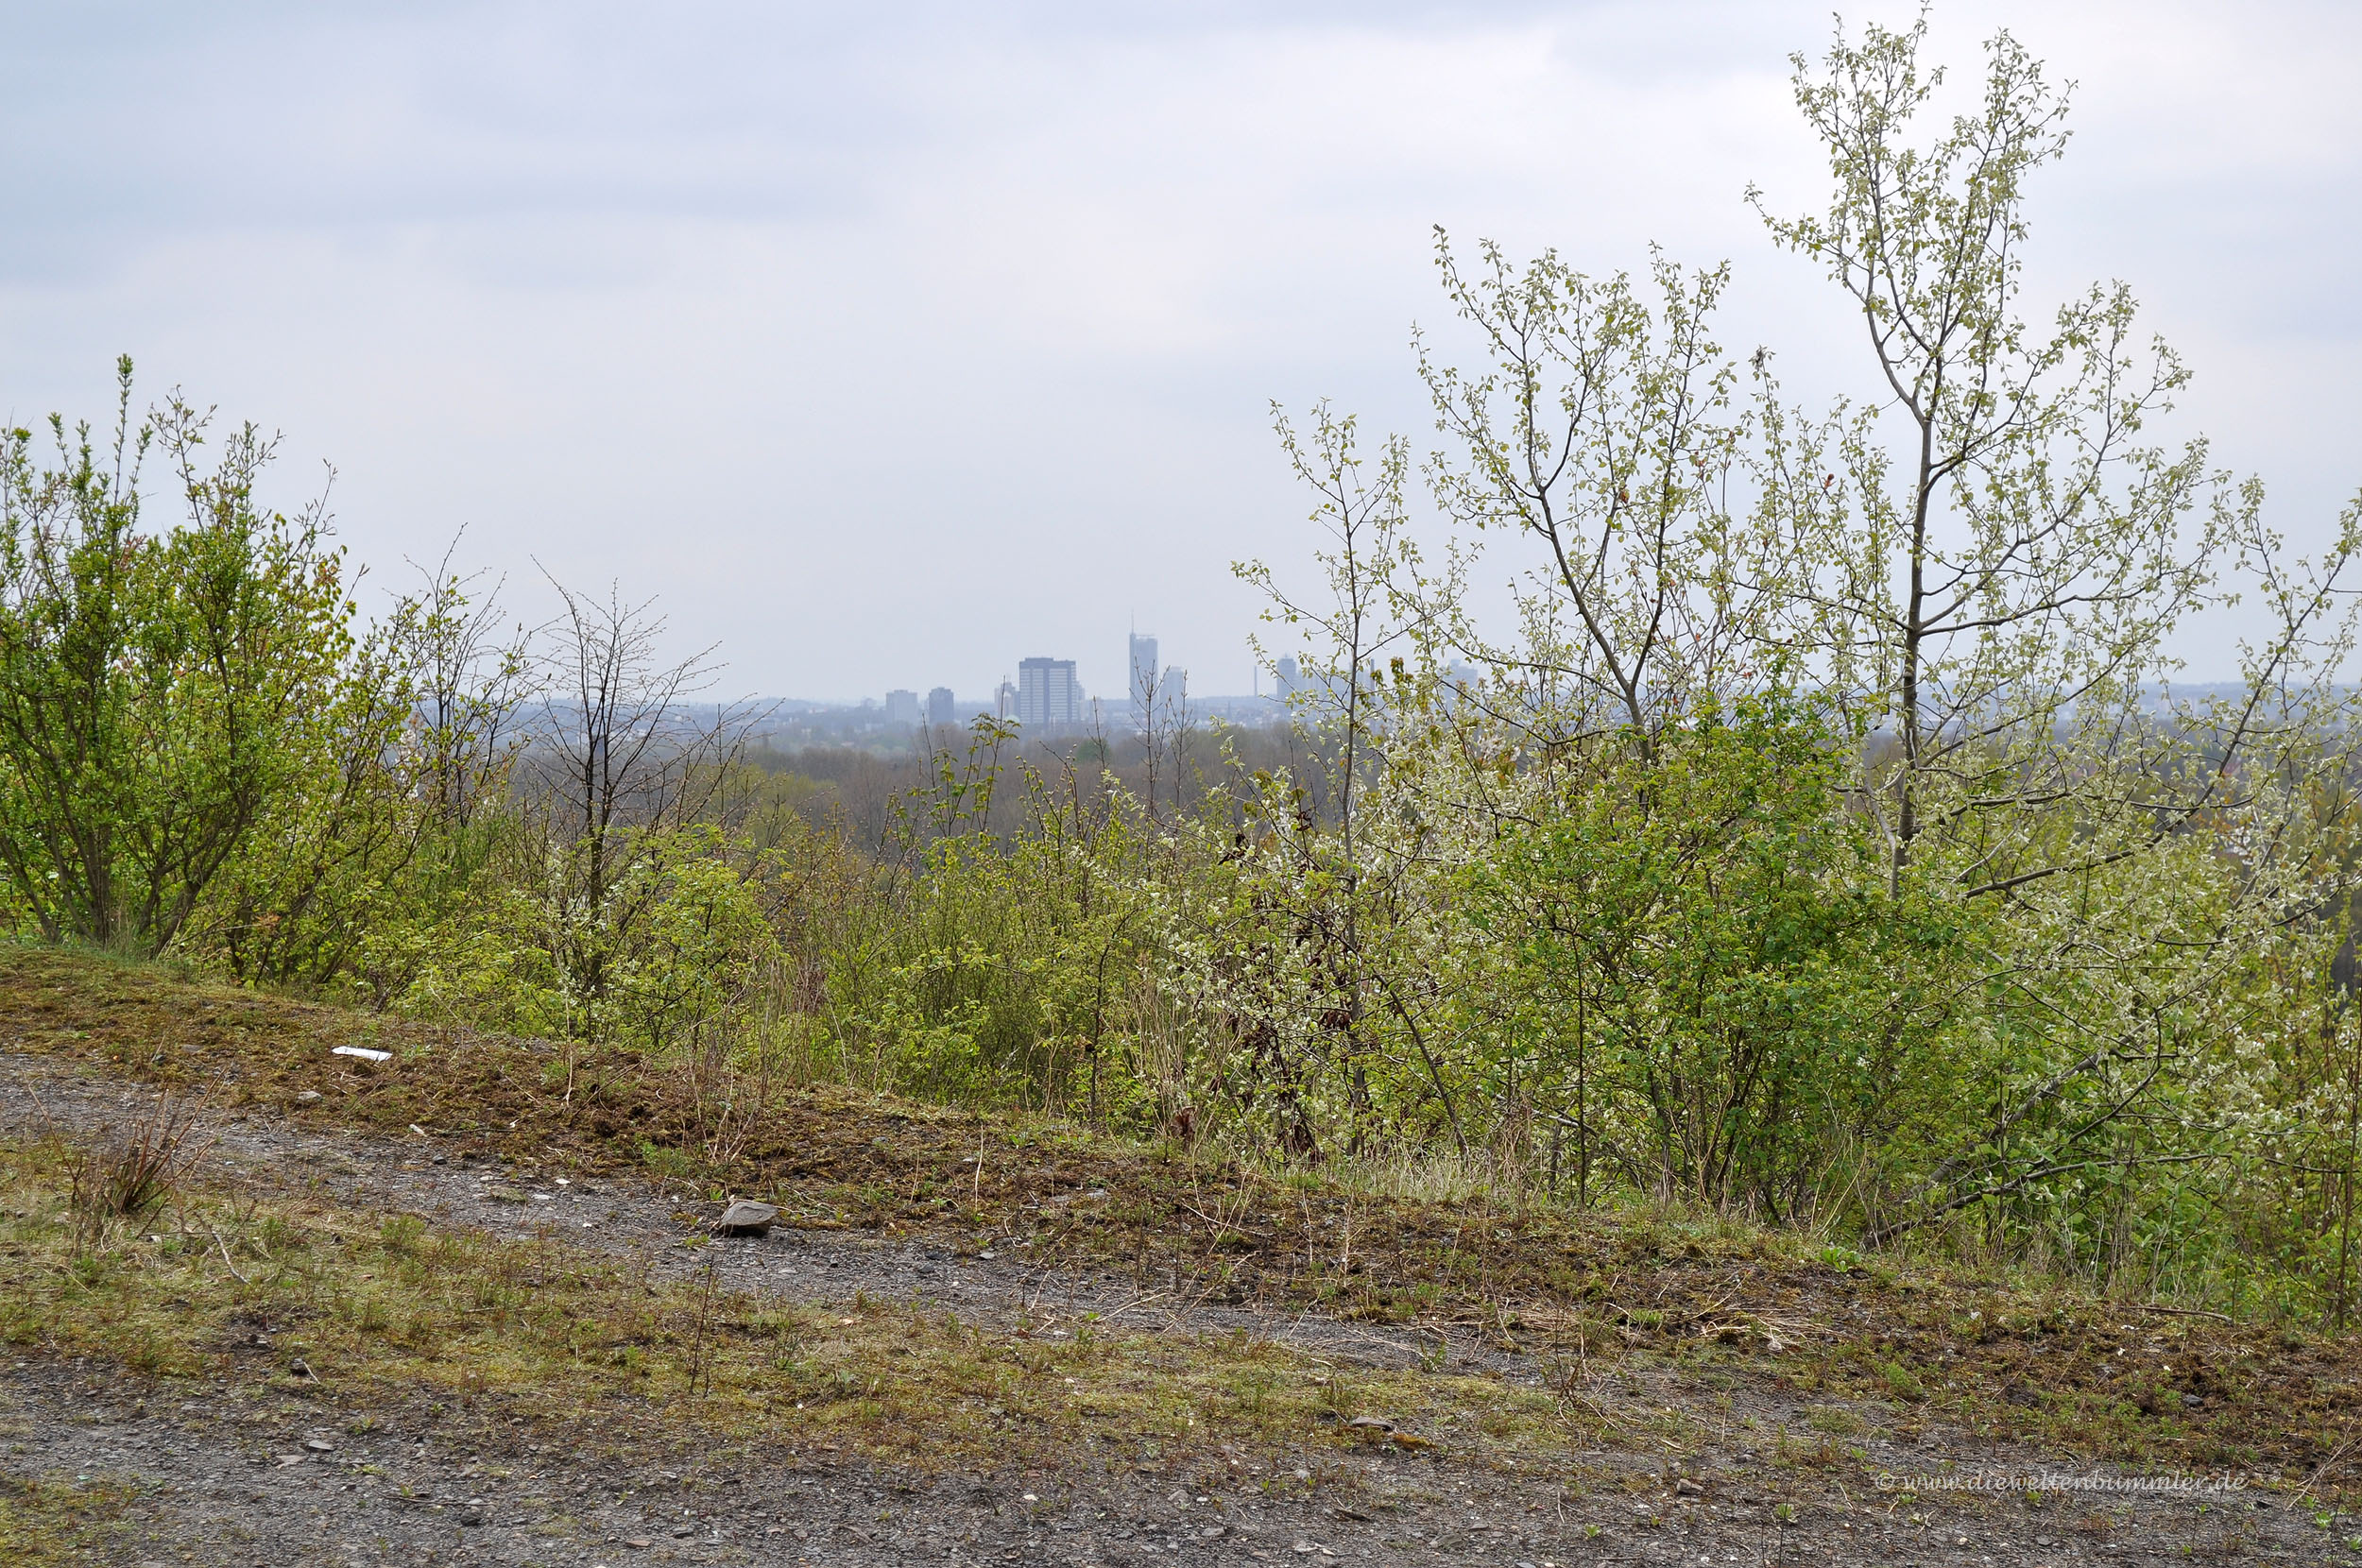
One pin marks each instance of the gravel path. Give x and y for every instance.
(244, 1472)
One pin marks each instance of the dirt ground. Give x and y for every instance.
(240, 1470)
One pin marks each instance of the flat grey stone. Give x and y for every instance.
(745, 1218)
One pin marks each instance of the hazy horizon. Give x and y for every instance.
(889, 346)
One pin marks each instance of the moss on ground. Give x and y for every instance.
(48, 1521)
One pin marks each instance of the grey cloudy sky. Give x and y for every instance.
(889, 344)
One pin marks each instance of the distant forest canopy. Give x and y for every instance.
(1810, 843)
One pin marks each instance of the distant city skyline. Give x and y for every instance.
(1045, 693)
(1118, 694)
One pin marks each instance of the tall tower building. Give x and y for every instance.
(1048, 695)
(940, 715)
(1142, 663)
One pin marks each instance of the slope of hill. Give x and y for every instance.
(500, 1248)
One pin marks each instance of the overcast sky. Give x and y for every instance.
(891, 344)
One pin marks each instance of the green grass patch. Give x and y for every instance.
(304, 1300)
(47, 1521)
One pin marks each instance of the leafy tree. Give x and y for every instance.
(1988, 576)
(1747, 999)
(404, 802)
(155, 688)
(1603, 433)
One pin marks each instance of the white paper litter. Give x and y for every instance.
(363, 1052)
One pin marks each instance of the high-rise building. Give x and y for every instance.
(1142, 663)
(1172, 698)
(940, 708)
(1289, 680)
(901, 707)
(1048, 695)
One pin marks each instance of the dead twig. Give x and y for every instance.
(2306, 1489)
(699, 1363)
(2188, 1312)
(226, 1259)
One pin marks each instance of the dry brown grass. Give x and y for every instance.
(124, 1174)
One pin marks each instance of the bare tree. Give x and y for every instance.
(619, 754)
